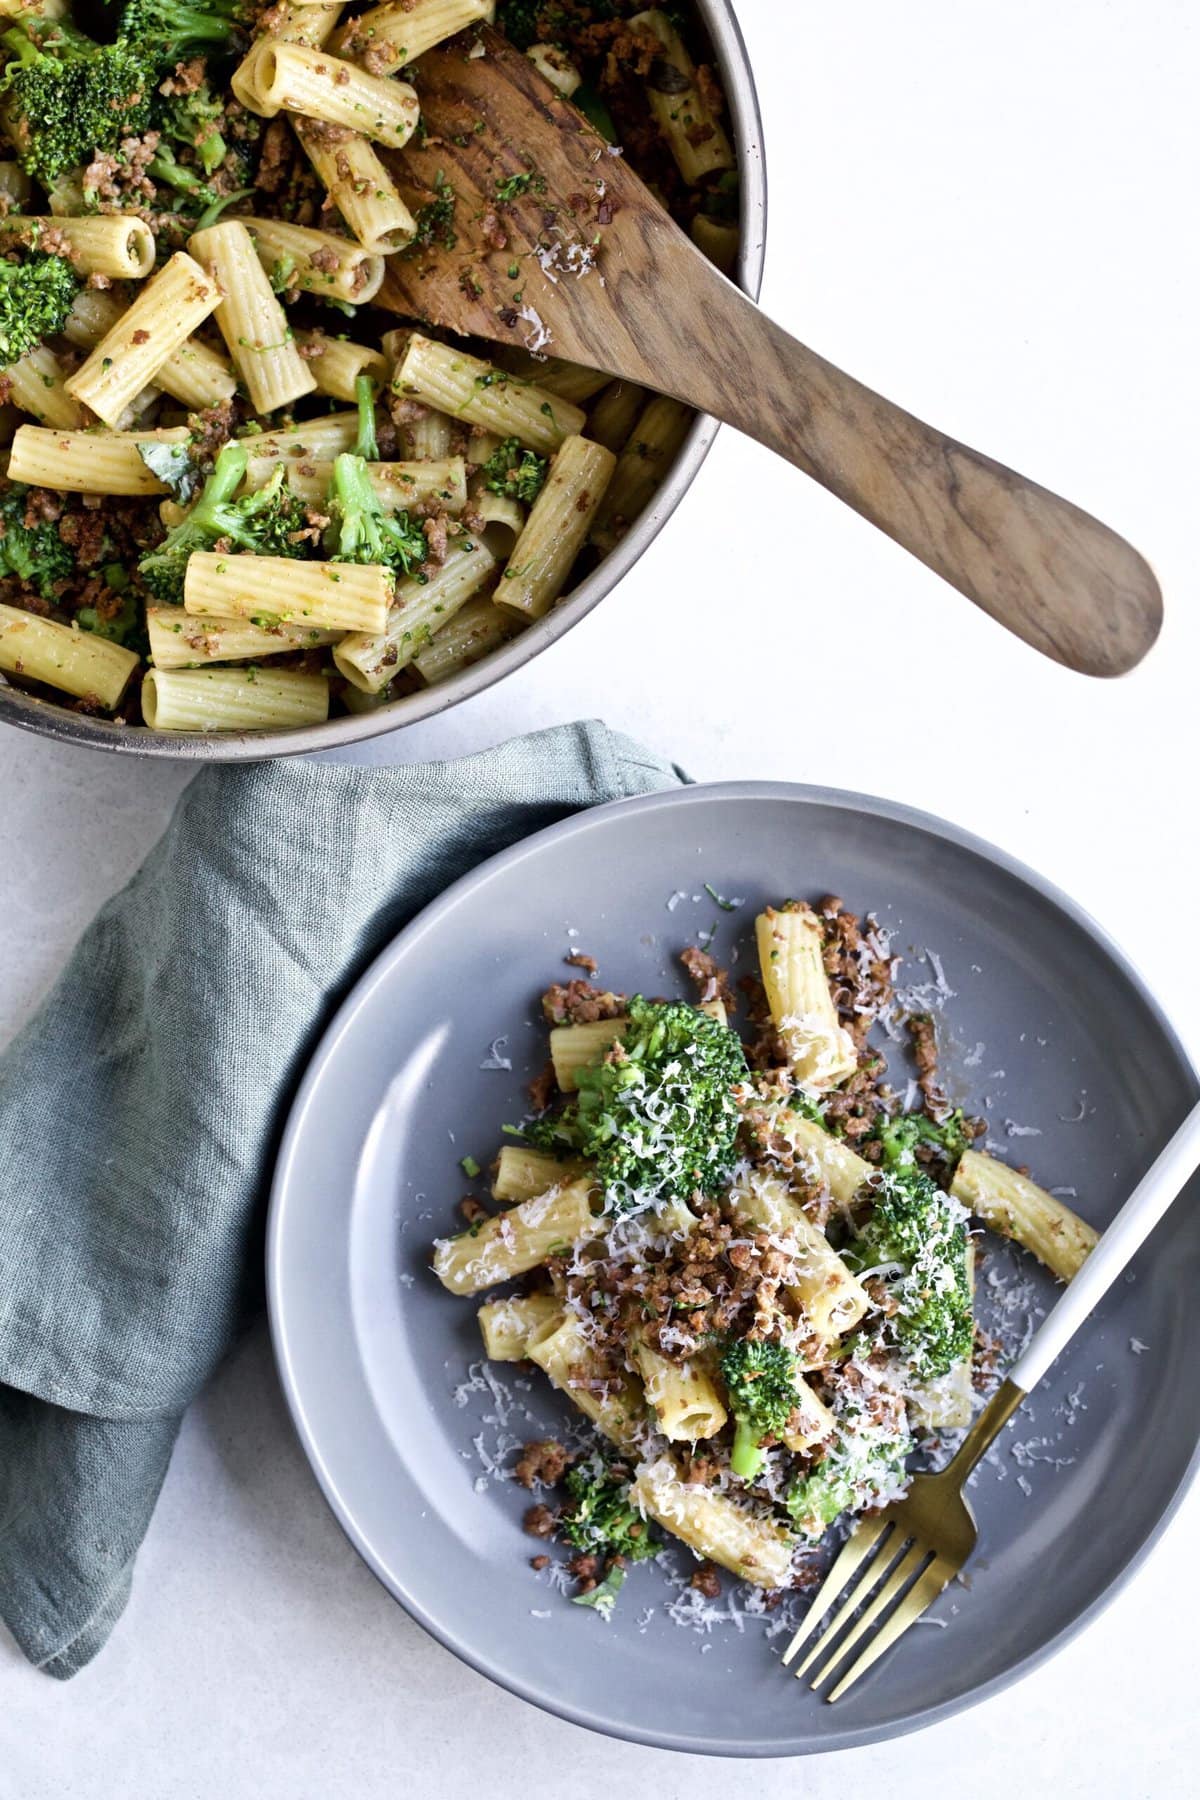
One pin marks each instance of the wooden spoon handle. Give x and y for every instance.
(1051, 573)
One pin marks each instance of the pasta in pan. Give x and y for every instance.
(749, 1266)
(199, 206)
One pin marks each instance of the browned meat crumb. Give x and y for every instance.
(187, 77)
(539, 1562)
(706, 1581)
(579, 959)
(711, 980)
(542, 1088)
(542, 1463)
(540, 1522)
(579, 1003)
(471, 1209)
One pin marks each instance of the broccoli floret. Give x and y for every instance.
(863, 1467)
(36, 295)
(916, 1241)
(265, 523)
(35, 553)
(763, 1393)
(600, 1518)
(362, 531)
(514, 473)
(194, 120)
(659, 1116)
(900, 1136)
(171, 30)
(65, 97)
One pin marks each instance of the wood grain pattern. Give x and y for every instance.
(554, 243)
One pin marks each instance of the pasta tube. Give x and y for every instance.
(1017, 1208)
(695, 138)
(321, 86)
(87, 462)
(232, 699)
(645, 459)
(438, 486)
(361, 188)
(506, 1325)
(718, 240)
(37, 383)
(106, 244)
(316, 261)
(575, 1047)
(15, 185)
(613, 1404)
(468, 388)
(177, 640)
(282, 590)
(824, 1160)
(813, 1421)
(316, 440)
(251, 319)
(612, 419)
(516, 1241)
(717, 1528)
(196, 374)
(474, 631)
(407, 30)
(683, 1396)
(819, 1050)
(833, 1299)
(369, 659)
(336, 363)
(164, 315)
(522, 1174)
(553, 535)
(62, 656)
(556, 66)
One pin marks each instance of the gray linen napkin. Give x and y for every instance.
(140, 1109)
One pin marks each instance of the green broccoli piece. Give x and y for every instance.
(36, 294)
(362, 531)
(35, 553)
(604, 1595)
(600, 1518)
(265, 523)
(863, 1467)
(514, 473)
(658, 1117)
(171, 31)
(762, 1381)
(900, 1136)
(64, 97)
(916, 1241)
(194, 120)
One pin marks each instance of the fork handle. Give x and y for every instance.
(1159, 1187)
(1162, 1184)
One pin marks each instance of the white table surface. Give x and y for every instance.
(988, 212)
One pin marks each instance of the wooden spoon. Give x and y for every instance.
(576, 257)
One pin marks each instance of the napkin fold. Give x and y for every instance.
(141, 1107)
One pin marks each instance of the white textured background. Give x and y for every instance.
(988, 211)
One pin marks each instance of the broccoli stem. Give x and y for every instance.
(219, 489)
(746, 1457)
(356, 506)
(366, 444)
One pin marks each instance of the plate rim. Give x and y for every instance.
(597, 817)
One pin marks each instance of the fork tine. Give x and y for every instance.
(899, 1575)
(858, 1545)
(919, 1598)
(855, 1592)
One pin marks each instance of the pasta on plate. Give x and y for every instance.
(203, 418)
(741, 1255)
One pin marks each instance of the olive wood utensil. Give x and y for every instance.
(555, 242)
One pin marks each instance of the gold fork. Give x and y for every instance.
(902, 1558)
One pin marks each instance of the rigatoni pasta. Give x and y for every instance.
(760, 1294)
(252, 321)
(200, 280)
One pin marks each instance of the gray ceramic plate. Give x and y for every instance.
(1048, 1024)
